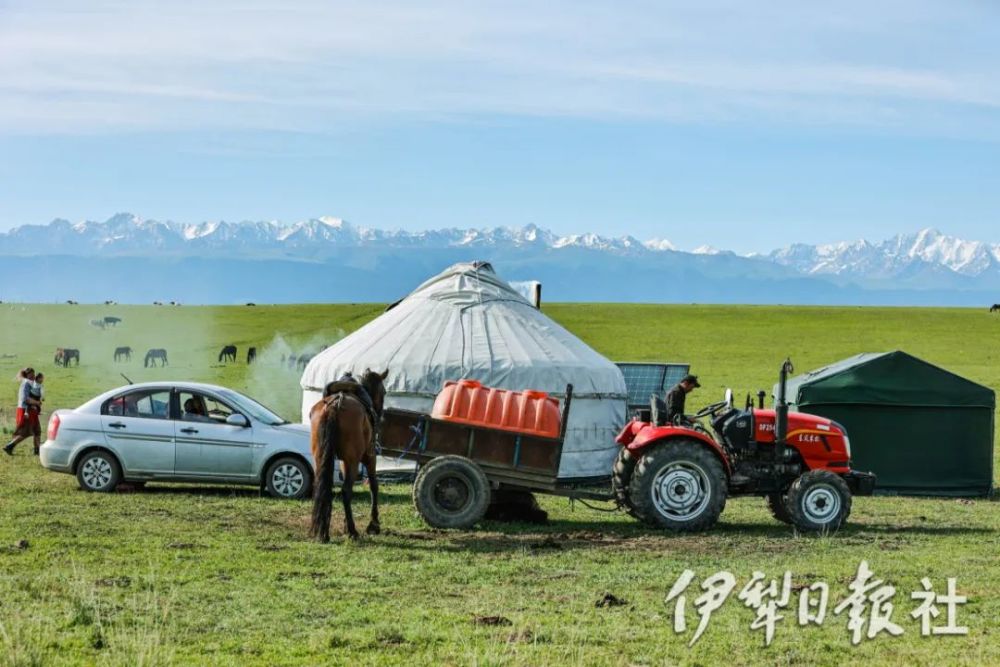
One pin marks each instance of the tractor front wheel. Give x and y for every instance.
(678, 485)
(778, 506)
(819, 501)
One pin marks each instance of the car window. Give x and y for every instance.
(196, 407)
(140, 404)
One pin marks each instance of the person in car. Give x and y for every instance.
(194, 411)
(676, 397)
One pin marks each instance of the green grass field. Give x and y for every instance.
(185, 575)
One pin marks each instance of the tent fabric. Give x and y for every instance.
(891, 378)
(468, 323)
(923, 430)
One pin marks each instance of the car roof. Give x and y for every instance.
(165, 384)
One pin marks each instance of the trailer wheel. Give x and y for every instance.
(818, 501)
(678, 485)
(779, 509)
(621, 475)
(451, 492)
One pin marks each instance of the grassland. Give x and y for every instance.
(184, 575)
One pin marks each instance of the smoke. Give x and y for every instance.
(274, 378)
(192, 336)
(29, 336)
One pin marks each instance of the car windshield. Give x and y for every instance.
(252, 407)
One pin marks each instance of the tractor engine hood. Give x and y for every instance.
(819, 440)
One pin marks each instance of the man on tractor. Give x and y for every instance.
(676, 397)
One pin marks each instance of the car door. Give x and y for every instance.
(206, 446)
(138, 428)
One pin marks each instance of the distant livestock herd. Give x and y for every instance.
(65, 356)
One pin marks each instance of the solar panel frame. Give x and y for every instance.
(644, 378)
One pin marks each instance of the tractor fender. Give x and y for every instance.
(650, 435)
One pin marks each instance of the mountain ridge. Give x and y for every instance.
(925, 261)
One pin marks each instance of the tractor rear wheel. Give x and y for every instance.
(678, 485)
(621, 475)
(779, 509)
(819, 501)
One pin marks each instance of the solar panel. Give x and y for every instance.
(643, 379)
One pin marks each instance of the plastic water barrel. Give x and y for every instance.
(469, 402)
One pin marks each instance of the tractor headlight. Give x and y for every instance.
(847, 445)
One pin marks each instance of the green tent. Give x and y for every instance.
(922, 430)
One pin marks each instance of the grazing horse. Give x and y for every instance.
(112, 321)
(251, 355)
(65, 355)
(123, 353)
(343, 427)
(228, 353)
(154, 354)
(995, 307)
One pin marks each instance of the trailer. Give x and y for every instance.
(674, 476)
(461, 465)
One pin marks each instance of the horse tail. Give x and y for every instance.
(327, 431)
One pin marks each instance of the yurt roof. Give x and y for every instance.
(467, 322)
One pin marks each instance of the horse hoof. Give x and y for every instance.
(373, 529)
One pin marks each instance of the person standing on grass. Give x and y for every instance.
(37, 392)
(27, 423)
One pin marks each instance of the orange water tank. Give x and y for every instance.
(469, 402)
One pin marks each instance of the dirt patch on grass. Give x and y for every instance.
(491, 620)
(610, 600)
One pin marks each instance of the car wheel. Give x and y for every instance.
(99, 472)
(288, 477)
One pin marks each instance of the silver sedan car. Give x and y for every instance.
(179, 432)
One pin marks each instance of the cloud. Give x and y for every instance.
(314, 66)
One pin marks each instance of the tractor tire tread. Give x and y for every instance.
(798, 489)
(653, 460)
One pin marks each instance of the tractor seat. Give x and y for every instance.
(657, 410)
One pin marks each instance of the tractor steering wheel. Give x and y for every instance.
(711, 409)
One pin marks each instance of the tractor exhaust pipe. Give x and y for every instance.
(781, 410)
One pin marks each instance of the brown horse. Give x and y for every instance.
(342, 428)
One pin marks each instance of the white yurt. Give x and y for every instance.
(467, 322)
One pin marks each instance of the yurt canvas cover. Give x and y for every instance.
(920, 428)
(469, 323)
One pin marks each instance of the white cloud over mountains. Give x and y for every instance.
(80, 67)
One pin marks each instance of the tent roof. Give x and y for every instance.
(467, 322)
(888, 378)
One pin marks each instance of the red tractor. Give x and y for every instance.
(678, 476)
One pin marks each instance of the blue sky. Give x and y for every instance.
(742, 125)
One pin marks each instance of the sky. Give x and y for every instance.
(741, 125)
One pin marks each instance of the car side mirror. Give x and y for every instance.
(237, 420)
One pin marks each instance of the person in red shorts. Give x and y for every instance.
(27, 423)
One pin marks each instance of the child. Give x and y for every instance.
(37, 392)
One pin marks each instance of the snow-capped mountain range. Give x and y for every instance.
(924, 261)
